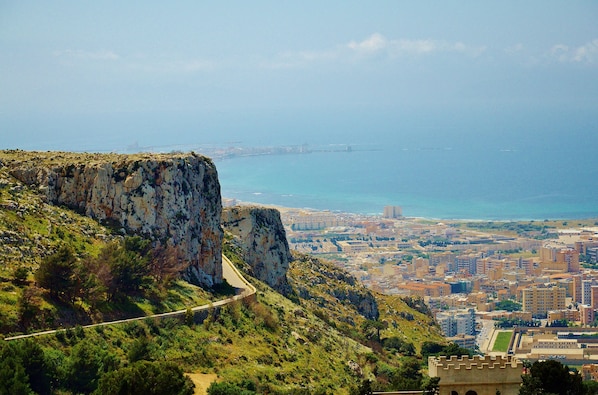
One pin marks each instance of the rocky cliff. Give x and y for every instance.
(172, 198)
(260, 235)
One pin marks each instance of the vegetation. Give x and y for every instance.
(513, 322)
(430, 348)
(551, 377)
(60, 269)
(508, 305)
(502, 341)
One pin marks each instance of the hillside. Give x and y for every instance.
(316, 339)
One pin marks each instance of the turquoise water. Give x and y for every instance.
(451, 182)
(477, 163)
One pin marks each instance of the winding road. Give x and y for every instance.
(229, 272)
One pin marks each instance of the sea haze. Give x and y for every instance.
(481, 164)
(499, 168)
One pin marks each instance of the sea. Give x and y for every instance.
(486, 165)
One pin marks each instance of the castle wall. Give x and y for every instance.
(482, 375)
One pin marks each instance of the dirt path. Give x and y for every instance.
(202, 382)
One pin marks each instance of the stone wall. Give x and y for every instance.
(477, 375)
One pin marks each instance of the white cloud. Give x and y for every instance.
(374, 43)
(373, 46)
(397, 47)
(587, 53)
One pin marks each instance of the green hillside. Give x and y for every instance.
(328, 337)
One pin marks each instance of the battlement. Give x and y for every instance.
(476, 362)
(481, 372)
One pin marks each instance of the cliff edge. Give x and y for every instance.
(260, 234)
(174, 199)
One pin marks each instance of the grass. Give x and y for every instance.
(287, 346)
(501, 343)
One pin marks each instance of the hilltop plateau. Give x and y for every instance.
(155, 224)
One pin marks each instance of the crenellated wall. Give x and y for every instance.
(484, 375)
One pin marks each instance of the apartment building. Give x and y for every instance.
(539, 299)
(560, 259)
(458, 322)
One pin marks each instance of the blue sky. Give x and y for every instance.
(78, 59)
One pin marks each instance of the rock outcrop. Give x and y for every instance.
(319, 281)
(260, 235)
(172, 198)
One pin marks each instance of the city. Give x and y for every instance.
(528, 289)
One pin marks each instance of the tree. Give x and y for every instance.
(430, 348)
(95, 277)
(33, 361)
(140, 350)
(508, 305)
(408, 376)
(365, 388)
(372, 328)
(56, 273)
(29, 306)
(400, 345)
(551, 377)
(146, 378)
(455, 349)
(20, 275)
(590, 387)
(87, 363)
(431, 386)
(129, 268)
(13, 377)
(166, 264)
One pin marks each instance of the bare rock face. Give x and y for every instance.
(172, 198)
(261, 236)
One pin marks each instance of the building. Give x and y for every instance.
(467, 263)
(586, 291)
(423, 289)
(561, 259)
(463, 341)
(567, 315)
(539, 300)
(577, 294)
(589, 372)
(586, 314)
(457, 322)
(314, 220)
(476, 375)
(354, 245)
(393, 212)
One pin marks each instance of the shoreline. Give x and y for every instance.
(234, 202)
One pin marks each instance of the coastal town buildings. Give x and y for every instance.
(459, 322)
(465, 273)
(540, 299)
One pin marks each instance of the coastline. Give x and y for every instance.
(590, 221)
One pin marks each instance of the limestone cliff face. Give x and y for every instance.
(172, 198)
(261, 236)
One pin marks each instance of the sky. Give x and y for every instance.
(68, 66)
